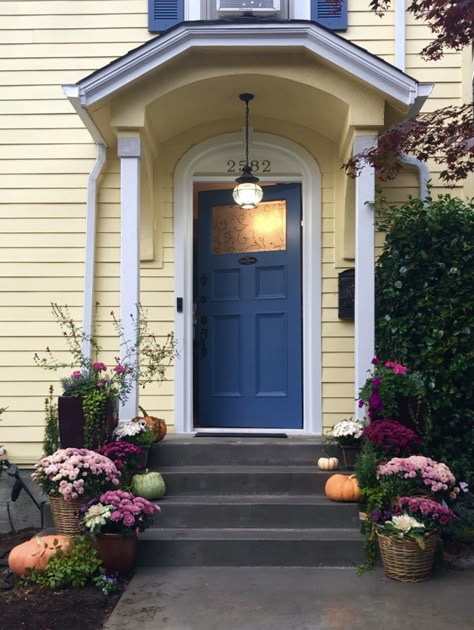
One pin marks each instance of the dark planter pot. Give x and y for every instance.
(349, 455)
(117, 552)
(71, 422)
(142, 460)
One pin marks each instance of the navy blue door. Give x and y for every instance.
(249, 310)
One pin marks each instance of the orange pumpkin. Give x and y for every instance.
(342, 488)
(36, 552)
(157, 425)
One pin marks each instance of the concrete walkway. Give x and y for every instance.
(267, 598)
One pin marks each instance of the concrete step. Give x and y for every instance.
(250, 547)
(255, 511)
(230, 480)
(192, 451)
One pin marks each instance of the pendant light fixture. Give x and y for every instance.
(247, 194)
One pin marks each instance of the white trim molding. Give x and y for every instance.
(364, 302)
(129, 152)
(300, 167)
(305, 35)
(400, 35)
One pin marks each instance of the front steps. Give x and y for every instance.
(247, 502)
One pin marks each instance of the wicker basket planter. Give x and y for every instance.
(66, 514)
(404, 560)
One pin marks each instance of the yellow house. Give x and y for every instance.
(122, 136)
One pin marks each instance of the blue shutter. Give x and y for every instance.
(330, 14)
(163, 14)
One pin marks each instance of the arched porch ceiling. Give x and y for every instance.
(193, 73)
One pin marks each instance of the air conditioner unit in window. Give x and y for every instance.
(242, 7)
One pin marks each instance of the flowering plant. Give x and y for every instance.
(408, 475)
(136, 432)
(74, 472)
(388, 384)
(347, 432)
(414, 517)
(144, 360)
(117, 512)
(89, 371)
(124, 455)
(390, 438)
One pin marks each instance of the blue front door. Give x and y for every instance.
(248, 334)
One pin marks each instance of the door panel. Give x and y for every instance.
(249, 310)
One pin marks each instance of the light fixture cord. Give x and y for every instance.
(247, 134)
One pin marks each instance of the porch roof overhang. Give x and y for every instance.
(392, 83)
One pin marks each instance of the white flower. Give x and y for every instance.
(348, 428)
(405, 523)
(124, 429)
(3, 451)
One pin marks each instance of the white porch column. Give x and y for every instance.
(129, 152)
(364, 310)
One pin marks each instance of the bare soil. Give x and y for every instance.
(30, 607)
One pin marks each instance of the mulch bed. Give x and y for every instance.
(30, 607)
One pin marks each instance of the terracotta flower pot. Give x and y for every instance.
(117, 552)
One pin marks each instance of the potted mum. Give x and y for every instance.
(114, 518)
(408, 538)
(136, 432)
(126, 456)
(389, 439)
(347, 434)
(403, 476)
(87, 408)
(70, 477)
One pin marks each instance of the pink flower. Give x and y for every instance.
(119, 369)
(400, 369)
(76, 374)
(99, 367)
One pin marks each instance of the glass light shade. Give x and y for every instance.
(247, 195)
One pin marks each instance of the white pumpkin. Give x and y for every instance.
(328, 463)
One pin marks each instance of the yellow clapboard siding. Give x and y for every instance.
(44, 136)
(338, 405)
(72, 7)
(40, 225)
(101, 36)
(51, 181)
(80, 19)
(336, 390)
(337, 375)
(40, 152)
(45, 166)
(338, 359)
(40, 255)
(40, 122)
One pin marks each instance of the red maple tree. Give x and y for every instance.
(445, 135)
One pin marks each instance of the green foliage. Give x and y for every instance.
(107, 584)
(366, 467)
(73, 569)
(145, 438)
(424, 314)
(51, 429)
(94, 405)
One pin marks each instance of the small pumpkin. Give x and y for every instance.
(328, 463)
(157, 425)
(149, 485)
(342, 488)
(36, 552)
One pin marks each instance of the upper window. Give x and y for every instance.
(164, 14)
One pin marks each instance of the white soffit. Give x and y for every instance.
(307, 35)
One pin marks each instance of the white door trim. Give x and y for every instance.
(300, 167)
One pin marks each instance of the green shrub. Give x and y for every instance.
(425, 314)
(51, 428)
(72, 570)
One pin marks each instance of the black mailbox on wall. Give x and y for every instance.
(346, 294)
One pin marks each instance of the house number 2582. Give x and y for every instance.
(263, 166)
